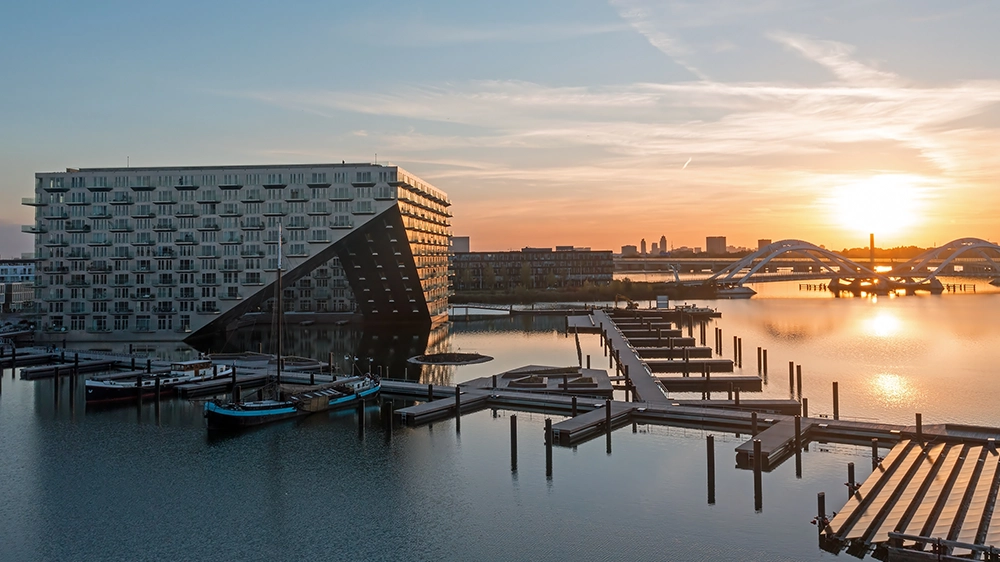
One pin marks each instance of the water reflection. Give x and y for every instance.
(892, 389)
(884, 325)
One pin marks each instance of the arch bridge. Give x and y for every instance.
(823, 264)
(974, 255)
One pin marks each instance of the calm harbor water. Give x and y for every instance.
(120, 484)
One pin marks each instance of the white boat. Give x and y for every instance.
(108, 389)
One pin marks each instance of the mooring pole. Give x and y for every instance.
(753, 424)
(548, 447)
(798, 378)
(458, 409)
(430, 392)
(875, 459)
(791, 378)
(851, 483)
(836, 401)
(574, 406)
(805, 407)
(760, 363)
(758, 463)
(513, 443)
(798, 433)
(920, 430)
(821, 512)
(710, 441)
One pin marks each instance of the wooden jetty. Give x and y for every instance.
(933, 497)
(47, 371)
(714, 384)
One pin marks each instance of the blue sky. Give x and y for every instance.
(587, 123)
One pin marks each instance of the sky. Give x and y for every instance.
(573, 122)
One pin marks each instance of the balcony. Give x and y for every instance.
(164, 310)
(165, 201)
(142, 269)
(120, 227)
(186, 241)
(57, 243)
(98, 295)
(251, 281)
(143, 214)
(56, 188)
(33, 229)
(186, 211)
(164, 227)
(252, 225)
(296, 225)
(210, 282)
(78, 256)
(296, 195)
(251, 198)
(231, 240)
(208, 198)
(188, 297)
(275, 211)
(315, 240)
(165, 282)
(99, 242)
(123, 309)
(231, 297)
(54, 269)
(165, 253)
(77, 202)
(99, 268)
(144, 296)
(99, 213)
(143, 242)
(231, 212)
(121, 256)
(227, 267)
(33, 202)
(54, 215)
(210, 226)
(187, 267)
(251, 253)
(77, 227)
(208, 309)
(122, 199)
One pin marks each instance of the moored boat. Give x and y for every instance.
(291, 401)
(104, 390)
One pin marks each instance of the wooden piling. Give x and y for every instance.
(458, 407)
(875, 459)
(76, 364)
(739, 354)
(920, 429)
(736, 396)
(791, 378)
(730, 394)
(157, 383)
(798, 433)
(798, 379)
(736, 349)
(232, 374)
(430, 392)
(805, 407)
(237, 394)
(753, 424)
(851, 483)
(494, 382)
(574, 406)
(836, 401)
(758, 465)
(765, 361)
(760, 363)
(607, 417)
(513, 443)
(548, 447)
(710, 441)
(821, 512)
(588, 360)
(149, 365)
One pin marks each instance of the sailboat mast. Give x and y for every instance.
(281, 308)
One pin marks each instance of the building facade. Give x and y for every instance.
(536, 268)
(166, 253)
(715, 245)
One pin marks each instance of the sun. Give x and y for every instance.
(886, 204)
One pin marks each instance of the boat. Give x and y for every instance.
(995, 282)
(734, 292)
(113, 388)
(288, 401)
(292, 401)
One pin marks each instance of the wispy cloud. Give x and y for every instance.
(419, 33)
(639, 18)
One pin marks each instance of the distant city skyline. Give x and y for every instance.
(565, 122)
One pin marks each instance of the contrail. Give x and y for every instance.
(686, 164)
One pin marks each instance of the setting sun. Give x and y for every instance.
(888, 204)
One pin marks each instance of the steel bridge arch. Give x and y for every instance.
(957, 248)
(763, 256)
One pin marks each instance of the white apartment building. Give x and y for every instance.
(166, 253)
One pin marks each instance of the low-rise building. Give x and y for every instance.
(535, 268)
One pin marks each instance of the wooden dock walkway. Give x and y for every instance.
(674, 352)
(691, 366)
(937, 494)
(715, 384)
(65, 369)
(645, 386)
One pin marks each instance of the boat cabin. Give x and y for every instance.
(197, 368)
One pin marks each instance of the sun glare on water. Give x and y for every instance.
(887, 204)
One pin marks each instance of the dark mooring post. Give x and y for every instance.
(805, 407)
(138, 390)
(157, 389)
(720, 350)
(710, 441)
(920, 430)
(430, 392)
(237, 394)
(736, 349)
(232, 374)
(739, 354)
(875, 459)
(588, 360)
(736, 396)
(798, 379)
(548, 447)
(760, 363)
(852, 485)
(765, 362)
(574, 406)
(836, 401)
(758, 463)
(133, 363)
(513, 443)
(149, 366)
(753, 424)
(458, 409)
(821, 512)
(791, 377)
(798, 433)
(730, 394)
(494, 382)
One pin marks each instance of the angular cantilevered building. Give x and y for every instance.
(168, 253)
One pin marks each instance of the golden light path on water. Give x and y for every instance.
(883, 325)
(892, 390)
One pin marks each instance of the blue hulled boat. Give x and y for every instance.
(292, 401)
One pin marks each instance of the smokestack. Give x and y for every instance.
(871, 251)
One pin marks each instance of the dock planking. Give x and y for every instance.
(673, 352)
(65, 369)
(776, 441)
(692, 366)
(715, 384)
(940, 493)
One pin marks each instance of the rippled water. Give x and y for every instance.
(119, 484)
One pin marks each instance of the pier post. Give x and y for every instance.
(76, 364)
(765, 362)
(791, 378)
(13, 360)
(710, 441)
(330, 360)
(851, 483)
(312, 377)
(753, 424)
(720, 350)
(920, 430)
(607, 417)
(739, 354)
(1, 382)
(548, 447)
(149, 365)
(588, 360)
(798, 379)
(232, 373)
(875, 459)
(730, 394)
(157, 383)
(708, 382)
(736, 396)
(836, 401)
(458, 409)
(133, 363)
(821, 512)
(805, 407)
(758, 464)
(430, 392)
(687, 363)
(574, 406)
(513, 443)
(736, 349)
(494, 382)
(798, 434)
(760, 364)
(237, 394)
(659, 336)
(215, 371)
